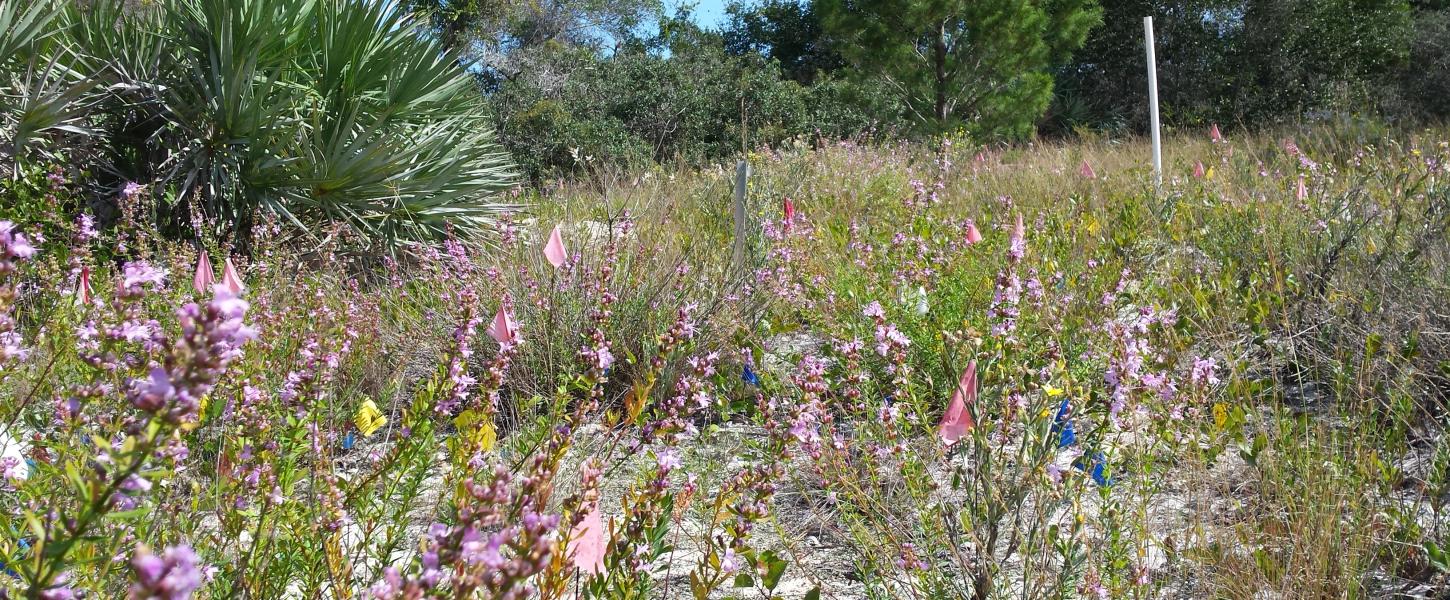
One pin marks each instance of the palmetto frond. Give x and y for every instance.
(39, 93)
(317, 110)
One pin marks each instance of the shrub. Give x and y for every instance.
(1427, 84)
(316, 112)
(680, 98)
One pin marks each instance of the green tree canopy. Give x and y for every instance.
(982, 64)
(1248, 61)
(788, 31)
(506, 39)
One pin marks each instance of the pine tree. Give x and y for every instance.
(980, 64)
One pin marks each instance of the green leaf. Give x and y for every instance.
(1437, 556)
(698, 588)
(774, 568)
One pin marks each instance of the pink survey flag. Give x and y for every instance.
(205, 274)
(504, 328)
(788, 208)
(973, 236)
(589, 545)
(1300, 192)
(1198, 169)
(1214, 134)
(231, 280)
(1019, 232)
(1087, 171)
(85, 286)
(554, 250)
(957, 421)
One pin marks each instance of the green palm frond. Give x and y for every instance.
(47, 97)
(320, 111)
(39, 92)
(24, 25)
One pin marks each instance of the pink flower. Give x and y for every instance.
(874, 310)
(1086, 170)
(504, 328)
(205, 274)
(957, 421)
(588, 543)
(139, 274)
(1204, 372)
(231, 280)
(554, 250)
(86, 228)
(666, 459)
(13, 244)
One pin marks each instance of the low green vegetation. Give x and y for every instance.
(1230, 387)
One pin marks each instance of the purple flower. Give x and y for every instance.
(139, 274)
(21, 248)
(13, 245)
(874, 310)
(134, 332)
(667, 459)
(59, 589)
(1160, 383)
(11, 347)
(135, 484)
(476, 549)
(86, 228)
(1054, 473)
(172, 576)
(13, 468)
(1203, 372)
(152, 394)
(211, 338)
(599, 358)
(729, 563)
(390, 586)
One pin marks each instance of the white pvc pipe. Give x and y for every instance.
(1153, 103)
(737, 255)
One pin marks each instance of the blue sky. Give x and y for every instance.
(709, 13)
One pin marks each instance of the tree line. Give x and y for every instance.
(582, 84)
